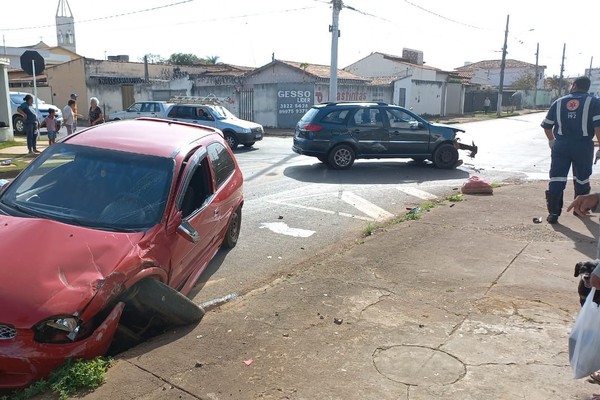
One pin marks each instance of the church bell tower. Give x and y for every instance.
(65, 26)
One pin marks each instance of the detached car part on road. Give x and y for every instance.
(104, 234)
(339, 133)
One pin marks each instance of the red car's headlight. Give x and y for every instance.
(59, 329)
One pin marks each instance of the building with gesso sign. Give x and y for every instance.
(284, 90)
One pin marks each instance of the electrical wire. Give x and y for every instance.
(101, 18)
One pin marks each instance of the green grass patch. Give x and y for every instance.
(370, 229)
(495, 185)
(9, 143)
(67, 380)
(16, 165)
(455, 198)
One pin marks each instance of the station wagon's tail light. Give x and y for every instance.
(312, 127)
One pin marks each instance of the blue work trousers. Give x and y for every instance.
(580, 155)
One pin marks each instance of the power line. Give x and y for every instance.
(446, 18)
(103, 18)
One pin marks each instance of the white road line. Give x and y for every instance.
(421, 194)
(284, 229)
(365, 206)
(373, 212)
(285, 203)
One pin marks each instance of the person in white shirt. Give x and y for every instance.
(69, 117)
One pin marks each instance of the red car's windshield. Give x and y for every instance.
(92, 187)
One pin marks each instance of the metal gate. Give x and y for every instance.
(127, 98)
(246, 105)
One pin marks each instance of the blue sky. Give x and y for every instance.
(245, 32)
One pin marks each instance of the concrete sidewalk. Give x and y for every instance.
(473, 301)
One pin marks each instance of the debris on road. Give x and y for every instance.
(474, 185)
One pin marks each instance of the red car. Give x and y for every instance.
(104, 234)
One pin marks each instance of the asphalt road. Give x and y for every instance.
(297, 207)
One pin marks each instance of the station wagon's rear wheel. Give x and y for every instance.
(233, 230)
(231, 140)
(341, 157)
(445, 156)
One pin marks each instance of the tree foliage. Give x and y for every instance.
(524, 82)
(183, 59)
(553, 83)
(211, 60)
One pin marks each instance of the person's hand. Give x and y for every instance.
(551, 143)
(583, 204)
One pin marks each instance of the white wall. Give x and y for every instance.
(426, 97)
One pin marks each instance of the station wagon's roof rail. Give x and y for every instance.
(379, 103)
(210, 99)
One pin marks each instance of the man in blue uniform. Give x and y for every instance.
(570, 126)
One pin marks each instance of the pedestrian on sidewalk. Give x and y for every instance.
(76, 115)
(96, 115)
(30, 123)
(486, 105)
(570, 126)
(50, 124)
(70, 116)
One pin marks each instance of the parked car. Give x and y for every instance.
(139, 109)
(339, 133)
(236, 131)
(110, 227)
(17, 98)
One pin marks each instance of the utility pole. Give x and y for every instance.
(537, 54)
(562, 69)
(335, 34)
(502, 66)
(590, 70)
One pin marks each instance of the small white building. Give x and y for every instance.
(424, 89)
(487, 72)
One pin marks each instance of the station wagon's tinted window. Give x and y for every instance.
(222, 163)
(400, 119)
(368, 117)
(336, 117)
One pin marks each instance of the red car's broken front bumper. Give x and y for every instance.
(23, 360)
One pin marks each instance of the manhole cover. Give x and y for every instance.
(416, 365)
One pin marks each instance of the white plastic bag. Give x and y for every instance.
(584, 341)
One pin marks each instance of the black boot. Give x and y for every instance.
(554, 203)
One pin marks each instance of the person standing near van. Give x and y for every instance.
(75, 113)
(30, 123)
(486, 105)
(96, 115)
(50, 124)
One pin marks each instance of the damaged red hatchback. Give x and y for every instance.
(104, 234)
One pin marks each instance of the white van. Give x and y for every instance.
(236, 131)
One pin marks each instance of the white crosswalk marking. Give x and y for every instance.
(372, 211)
(365, 206)
(421, 194)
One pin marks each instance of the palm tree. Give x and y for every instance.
(212, 60)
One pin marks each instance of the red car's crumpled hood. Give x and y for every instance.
(50, 268)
